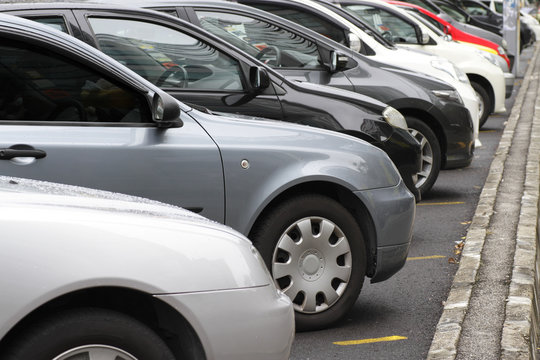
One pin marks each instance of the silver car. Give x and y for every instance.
(94, 275)
(324, 209)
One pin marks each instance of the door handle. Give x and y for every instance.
(21, 151)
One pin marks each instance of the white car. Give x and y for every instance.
(94, 275)
(402, 28)
(386, 53)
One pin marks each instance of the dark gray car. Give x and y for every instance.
(324, 209)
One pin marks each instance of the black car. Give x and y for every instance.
(442, 123)
(203, 70)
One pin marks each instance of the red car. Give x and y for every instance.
(456, 34)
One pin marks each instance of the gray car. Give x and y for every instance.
(324, 209)
(94, 275)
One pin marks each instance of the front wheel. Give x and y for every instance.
(430, 154)
(315, 250)
(485, 103)
(90, 333)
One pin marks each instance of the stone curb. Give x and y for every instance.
(520, 320)
(519, 308)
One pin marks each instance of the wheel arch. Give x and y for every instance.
(346, 198)
(482, 81)
(434, 125)
(165, 321)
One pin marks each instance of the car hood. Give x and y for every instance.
(280, 146)
(26, 192)
(370, 103)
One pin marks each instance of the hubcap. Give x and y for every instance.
(426, 157)
(95, 352)
(312, 264)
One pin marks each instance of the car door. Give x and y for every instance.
(290, 53)
(64, 120)
(183, 63)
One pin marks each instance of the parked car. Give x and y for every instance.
(464, 38)
(481, 12)
(400, 27)
(71, 114)
(361, 37)
(210, 75)
(95, 275)
(524, 15)
(462, 21)
(494, 26)
(434, 126)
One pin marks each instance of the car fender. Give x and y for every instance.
(97, 248)
(270, 157)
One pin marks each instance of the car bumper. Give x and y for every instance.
(509, 80)
(405, 152)
(470, 100)
(240, 324)
(393, 210)
(458, 131)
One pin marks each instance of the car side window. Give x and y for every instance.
(391, 27)
(475, 9)
(271, 44)
(56, 22)
(167, 57)
(40, 85)
(429, 19)
(308, 20)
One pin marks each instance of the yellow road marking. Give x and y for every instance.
(426, 257)
(442, 203)
(369, 341)
(488, 131)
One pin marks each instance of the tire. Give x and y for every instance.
(88, 331)
(431, 154)
(321, 274)
(486, 103)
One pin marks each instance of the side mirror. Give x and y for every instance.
(355, 43)
(422, 37)
(338, 61)
(448, 37)
(166, 111)
(259, 81)
(258, 78)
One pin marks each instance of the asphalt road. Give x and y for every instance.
(396, 319)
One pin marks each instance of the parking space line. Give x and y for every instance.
(442, 203)
(426, 257)
(370, 341)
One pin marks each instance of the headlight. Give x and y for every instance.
(394, 118)
(451, 69)
(501, 51)
(488, 56)
(451, 95)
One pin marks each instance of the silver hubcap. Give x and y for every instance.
(312, 264)
(427, 158)
(95, 352)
